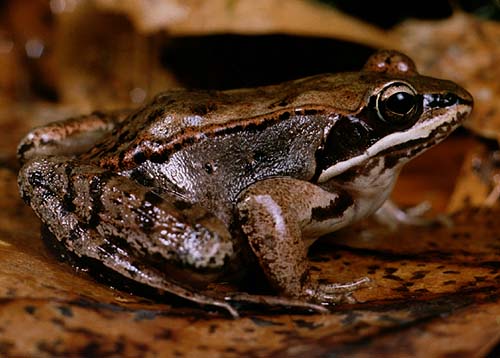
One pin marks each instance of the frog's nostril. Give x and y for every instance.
(449, 99)
(441, 100)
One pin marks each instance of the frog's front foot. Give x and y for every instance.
(392, 216)
(334, 292)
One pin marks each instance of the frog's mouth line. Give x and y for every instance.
(434, 137)
(405, 151)
(425, 135)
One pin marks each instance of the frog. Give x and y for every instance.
(198, 186)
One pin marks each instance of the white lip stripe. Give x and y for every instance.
(421, 130)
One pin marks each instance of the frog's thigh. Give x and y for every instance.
(80, 224)
(275, 214)
(102, 215)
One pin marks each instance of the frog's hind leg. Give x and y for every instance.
(70, 136)
(106, 217)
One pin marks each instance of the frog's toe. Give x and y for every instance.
(274, 301)
(336, 292)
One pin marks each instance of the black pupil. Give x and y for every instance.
(400, 103)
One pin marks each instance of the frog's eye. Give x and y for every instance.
(398, 103)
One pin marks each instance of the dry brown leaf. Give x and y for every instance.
(294, 17)
(10, 71)
(479, 181)
(104, 63)
(30, 33)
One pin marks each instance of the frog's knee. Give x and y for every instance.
(207, 250)
(25, 184)
(36, 174)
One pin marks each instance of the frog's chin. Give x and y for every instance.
(405, 145)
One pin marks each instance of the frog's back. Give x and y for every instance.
(178, 118)
(182, 111)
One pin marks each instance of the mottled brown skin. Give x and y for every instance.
(187, 188)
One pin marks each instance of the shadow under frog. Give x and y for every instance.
(195, 186)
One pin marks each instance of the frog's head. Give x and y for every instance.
(401, 114)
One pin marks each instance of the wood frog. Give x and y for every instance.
(198, 185)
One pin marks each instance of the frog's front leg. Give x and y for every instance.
(276, 215)
(392, 216)
(127, 227)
